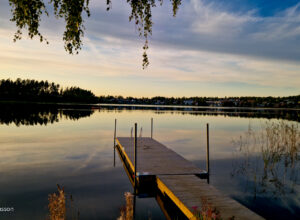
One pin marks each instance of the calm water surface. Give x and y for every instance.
(74, 148)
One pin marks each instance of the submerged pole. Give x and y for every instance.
(135, 156)
(207, 152)
(151, 128)
(134, 206)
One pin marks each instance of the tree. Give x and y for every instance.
(27, 15)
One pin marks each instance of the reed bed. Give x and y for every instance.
(269, 157)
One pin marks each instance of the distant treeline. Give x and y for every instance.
(157, 100)
(269, 102)
(43, 91)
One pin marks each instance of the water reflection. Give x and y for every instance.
(269, 161)
(43, 114)
(79, 155)
(287, 114)
(34, 114)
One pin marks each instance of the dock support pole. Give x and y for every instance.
(115, 134)
(151, 128)
(207, 152)
(135, 156)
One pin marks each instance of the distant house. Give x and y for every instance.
(158, 102)
(188, 102)
(290, 102)
(217, 103)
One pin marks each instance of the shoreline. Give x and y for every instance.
(99, 105)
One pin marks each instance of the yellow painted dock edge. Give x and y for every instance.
(125, 168)
(164, 189)
(124, 153)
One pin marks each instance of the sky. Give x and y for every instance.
(211, 48)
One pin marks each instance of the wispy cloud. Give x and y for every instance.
(212, 20)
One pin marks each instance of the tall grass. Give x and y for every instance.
(269, 157)
(126, 212)
(206, 211)
(61, 207)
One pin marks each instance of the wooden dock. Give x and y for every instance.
(178, 179)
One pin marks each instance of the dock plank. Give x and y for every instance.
(156, 159)
(192, 192)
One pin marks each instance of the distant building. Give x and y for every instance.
(217, 103)
(188, 102)
(158, 102)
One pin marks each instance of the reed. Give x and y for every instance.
(269, 157)
(206, 211)
(57, 205)
(126, 212)
(61, 206)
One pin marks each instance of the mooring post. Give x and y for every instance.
(135, 156)
(115, 133)
(151, 128)
(207, 152)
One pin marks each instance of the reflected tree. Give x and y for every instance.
(232, 112)
(35, 114)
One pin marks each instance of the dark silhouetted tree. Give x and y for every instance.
(43, 91)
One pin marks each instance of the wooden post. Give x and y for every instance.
(135, 156)
(207, 152)
(115, 133)
(151, 128)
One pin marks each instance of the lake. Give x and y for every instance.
(255, 157)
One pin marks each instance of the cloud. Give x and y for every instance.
(209, 27)
(206, 44)
(211, 20)
(283, 26)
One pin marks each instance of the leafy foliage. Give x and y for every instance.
(27, 15)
